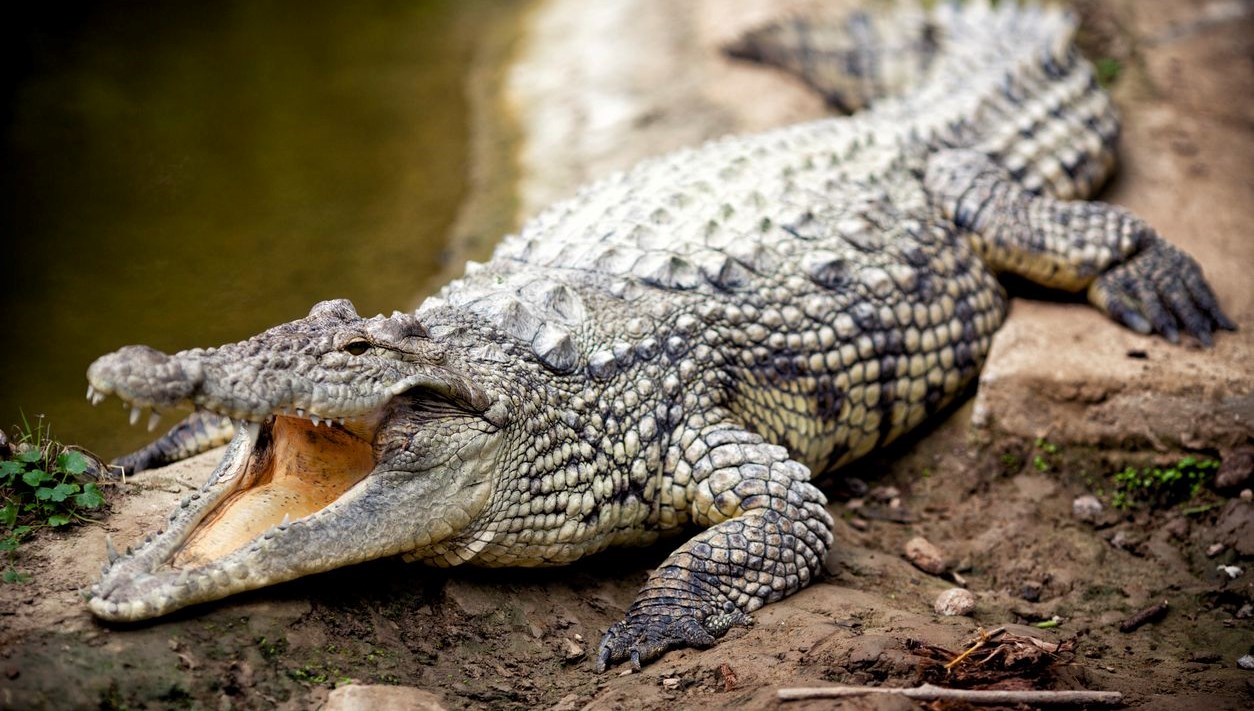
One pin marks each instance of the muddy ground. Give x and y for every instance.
(997, 501)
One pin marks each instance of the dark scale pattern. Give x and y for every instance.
(688, 341)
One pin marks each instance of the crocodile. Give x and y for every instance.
(679, 346)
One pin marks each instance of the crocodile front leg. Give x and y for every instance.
(768, 535)
(1127, 270)
(199, 432)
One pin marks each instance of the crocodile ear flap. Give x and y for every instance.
(396, 328)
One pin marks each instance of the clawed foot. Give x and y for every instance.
(1161, 290)
(642, 638)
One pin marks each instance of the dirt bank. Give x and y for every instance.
(587, 100)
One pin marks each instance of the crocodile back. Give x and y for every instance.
(798, 283)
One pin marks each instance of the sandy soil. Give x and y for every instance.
(998, 505)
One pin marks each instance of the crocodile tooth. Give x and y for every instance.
(113, 552)
(135, 412)
(300, 411)
(97, 398)
(153, 420)
(315, 420)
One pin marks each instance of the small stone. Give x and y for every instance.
(670, 683)
(1232, 571)
(572, 651)
(1246, 612)
(1087, 508)
(859, 523)
(1236, 469)
(362, 697)
(925, 556)
(1177, 528)
(1247, 495)
(954, 602)
(885, 493)
(1246, 661)
(1215, 549)
(1205, 657)
(1031, 591)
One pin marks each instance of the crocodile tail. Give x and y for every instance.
(1006, 80)
(851, 60)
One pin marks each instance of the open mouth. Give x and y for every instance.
(295, 468)
(276, 474)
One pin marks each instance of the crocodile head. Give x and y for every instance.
(338, 418)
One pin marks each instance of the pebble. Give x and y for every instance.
(572, 652)
(1087, 508)
(954, 602)
(1246, 661)
(1246, 494)
(1236, 469)
(925, 556)
(670, 683)
(885, 493)
(359, 697)
(1031, 591)
(859, 523)
(1215, 549)
(1232, 571)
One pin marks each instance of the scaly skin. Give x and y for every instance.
(683, 343)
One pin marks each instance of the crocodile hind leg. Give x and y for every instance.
(1126, 269)
(768, 535)
(198, 432)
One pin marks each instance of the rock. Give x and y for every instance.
(925, 556)
(571, 651)
(1215, 549)
(1235, 527)
(1247, 494)
(671, 683)
(363, 697)
(955, 602)
(1087, 508)
(1031, 591)
(1236, 469)
(1246, 661)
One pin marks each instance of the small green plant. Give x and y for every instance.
(1108, 71)
(1162, 486)
(43, 483)
(1040, 462)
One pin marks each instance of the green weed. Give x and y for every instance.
(43, 483)
(1108, 71)
(1162, 486)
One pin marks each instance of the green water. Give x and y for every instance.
(183, 175)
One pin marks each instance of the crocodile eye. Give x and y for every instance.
(357, 347)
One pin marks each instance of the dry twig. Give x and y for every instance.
(1153, 613)
(929, 692)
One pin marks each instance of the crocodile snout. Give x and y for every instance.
(144, 376)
